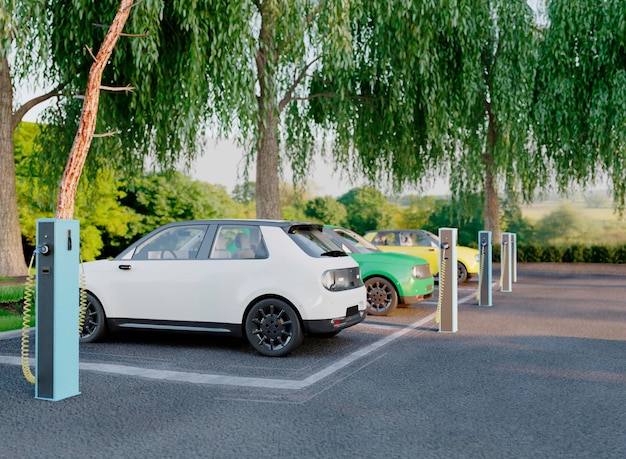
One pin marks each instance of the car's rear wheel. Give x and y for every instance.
(461, 272)
(381, 296)
(94, 324)
(273, 328)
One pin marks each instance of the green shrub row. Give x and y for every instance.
(536, 253)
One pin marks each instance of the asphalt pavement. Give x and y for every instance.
(541, 373)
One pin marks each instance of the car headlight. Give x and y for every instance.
(342, 279)
(421, 271)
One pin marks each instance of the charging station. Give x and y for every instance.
(448, 280)
(506, 253)
(514, 256)
(485, 268)
(57, 318)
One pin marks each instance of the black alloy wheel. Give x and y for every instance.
(94, 322)
(273, 328)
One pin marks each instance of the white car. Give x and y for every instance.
(270, 281)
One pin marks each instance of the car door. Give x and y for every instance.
(164, 280)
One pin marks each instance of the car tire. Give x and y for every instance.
(94, 324)
(461, 272)
(273, 328)
(382, 297)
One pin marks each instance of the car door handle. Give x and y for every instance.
(125, 267)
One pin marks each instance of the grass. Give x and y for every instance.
(11, 297)
(11, 321)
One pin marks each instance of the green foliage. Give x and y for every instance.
(562, 225)
(576, 253)
(162, 198)
(326, 210)
(102, 219)
(464, 214)
(367, 209)
(581, 96)
(416, 212)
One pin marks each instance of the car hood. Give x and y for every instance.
(389, 258)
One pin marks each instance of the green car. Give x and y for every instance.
(391, 279)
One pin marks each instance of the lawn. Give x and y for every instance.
(11, 304)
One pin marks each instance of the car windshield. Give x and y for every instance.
(352, 241)
(314, 242)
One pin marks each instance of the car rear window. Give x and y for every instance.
(314, 242)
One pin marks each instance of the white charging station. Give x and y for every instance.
(514, 256)
(448, 280)
(57, 290)
(485, 269)
(506, 255)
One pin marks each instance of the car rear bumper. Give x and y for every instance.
(353, 316)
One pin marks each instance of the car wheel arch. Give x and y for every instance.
(258, 299)
(386, 277)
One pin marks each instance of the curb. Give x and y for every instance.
(11, 334)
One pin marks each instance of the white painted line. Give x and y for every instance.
(209, 379)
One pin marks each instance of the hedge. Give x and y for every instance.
(535, 253)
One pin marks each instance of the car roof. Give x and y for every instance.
(244, 221)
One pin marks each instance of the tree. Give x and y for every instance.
(441, 88)
(23, 33)
(326, 210)
(104, 221)
(367, 209)
(171, 196)
(465, 214)
(172, 68)
(581, 95)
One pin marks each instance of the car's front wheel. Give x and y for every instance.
(273, 328)
(94, 323)
(381, 296)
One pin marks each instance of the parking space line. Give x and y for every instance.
(225, 380)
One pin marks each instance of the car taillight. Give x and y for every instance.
(421, 271)
(342, 279)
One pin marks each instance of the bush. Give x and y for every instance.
(576, 253)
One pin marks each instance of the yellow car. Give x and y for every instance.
(424, 244)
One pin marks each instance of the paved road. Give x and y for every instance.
(542, 373)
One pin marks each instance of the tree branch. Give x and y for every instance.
(127, 88)
(285, 100)
(20, 112)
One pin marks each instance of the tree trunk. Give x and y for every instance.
(12, 263)
(87, 125)
(267, 179)
(492, 208)
(492, 205)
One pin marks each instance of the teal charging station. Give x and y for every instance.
(448, 280)
(485, 268)
(57, 290)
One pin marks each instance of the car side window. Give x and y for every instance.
(423, 241)
(173, 243)
(238, 242)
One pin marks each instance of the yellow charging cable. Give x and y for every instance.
(442, 277)
(28, 299)
(82, 299)
(481, 272)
